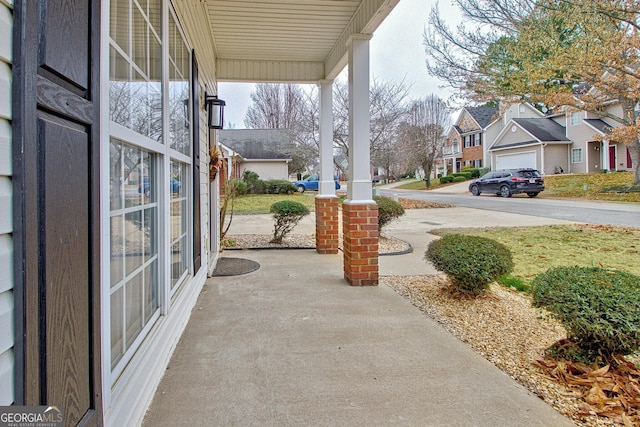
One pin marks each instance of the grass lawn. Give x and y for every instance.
(614, 186)
(252, 204)
(536, 249)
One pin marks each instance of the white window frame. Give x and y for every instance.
(575, 118)
(576, 155)
(113, 379)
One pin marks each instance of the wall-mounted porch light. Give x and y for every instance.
(215, 111)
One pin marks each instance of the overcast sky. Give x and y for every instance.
(397, 52)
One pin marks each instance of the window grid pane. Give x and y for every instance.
(134, 251)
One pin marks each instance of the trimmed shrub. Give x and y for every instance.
(388, 210)
(470, 262)
(484, 171)
(599, 308)
(280, 186)
(466, 175)
(459, 179)
(286, 214)
(254, 184)
(475, 172)
(446, 179)
(239, 187)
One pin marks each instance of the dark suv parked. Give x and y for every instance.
(508, 182)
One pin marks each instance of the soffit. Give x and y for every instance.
(288, 40)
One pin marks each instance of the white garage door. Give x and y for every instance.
(518, 160)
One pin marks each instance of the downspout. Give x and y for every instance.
(544, 144)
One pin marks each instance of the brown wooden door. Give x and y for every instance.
(56, 155)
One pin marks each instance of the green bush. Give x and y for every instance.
(599, 308)
(254, 184)
(239, 187)
(388, 210)
(475, 172)
(484, 171)
(280, 186)
(446, 179)
(286, 214)
(470, 262)
(466, 175)
(459, 179)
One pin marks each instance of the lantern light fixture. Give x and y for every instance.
(215, 111)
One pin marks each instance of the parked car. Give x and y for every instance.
(145, 187)
(311, 183)
(507, 182)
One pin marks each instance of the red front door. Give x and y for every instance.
(628, 159)
(612, 158)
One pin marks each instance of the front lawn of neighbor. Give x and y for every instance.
(252, 204)
(615, 186)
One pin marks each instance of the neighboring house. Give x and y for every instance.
(263, 151)
(102, 114)
(464, 143)
(468, 140)
(539, 143)
(560, 143)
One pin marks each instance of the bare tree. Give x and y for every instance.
(386, 110)
(452, 53)
(423, 132)
(288, 107)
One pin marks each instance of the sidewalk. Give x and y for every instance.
(292, 344)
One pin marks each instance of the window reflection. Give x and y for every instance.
(179, 223)
(135, 99)
(179, 76)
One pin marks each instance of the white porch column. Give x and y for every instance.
(359, 212)
(327, 226)
(605, 155)
(326, 185)
(359, 188)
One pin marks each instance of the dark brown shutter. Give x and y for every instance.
(56, 213)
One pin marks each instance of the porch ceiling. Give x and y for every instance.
(288, 40)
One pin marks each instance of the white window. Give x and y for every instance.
(478, 163)
(467, 141)
(150, 171)
(576, 155)
(477, 139)
(575, 118)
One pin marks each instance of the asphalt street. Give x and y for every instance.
(591, 212)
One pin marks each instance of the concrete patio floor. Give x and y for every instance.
(292, 344)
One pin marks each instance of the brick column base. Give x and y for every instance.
(327, 225)
(360, 243)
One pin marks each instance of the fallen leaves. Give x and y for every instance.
(611, 391)
(420, 204)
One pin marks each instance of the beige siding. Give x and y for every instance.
(581, 133)
(266, 170)
(582, 166)
(555, 155)
(510, 137)
(6, 212)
